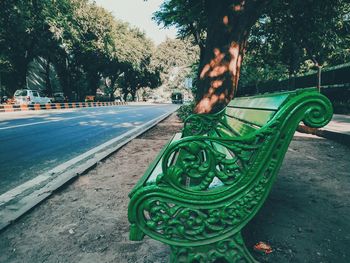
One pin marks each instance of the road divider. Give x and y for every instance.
(53, 106)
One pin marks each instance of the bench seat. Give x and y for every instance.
(210, 180)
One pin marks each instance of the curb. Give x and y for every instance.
(335, 136)
(54, 106)
(13, 206)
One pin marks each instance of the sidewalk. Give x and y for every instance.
(305, 219)
(338, 129)
(339, 124)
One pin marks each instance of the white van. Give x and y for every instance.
(27, 96)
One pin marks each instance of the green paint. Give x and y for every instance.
(216, 177)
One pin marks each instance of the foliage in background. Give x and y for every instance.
(80, 43)
(292, 38)
(185, 110)
(173, 53)
(173, 59)
(287, 39)
(187, 16)
(78, 40)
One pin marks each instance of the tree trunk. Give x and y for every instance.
(125, 95)
(22, 71)
(63, 71)
(133, 94)
(229, 25)
(93, 80)
(319, 77)
(113, 89)
(47, 77)
(291, 79)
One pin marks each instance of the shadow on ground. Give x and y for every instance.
(306, 217)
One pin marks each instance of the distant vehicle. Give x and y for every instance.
(90, 98)
(118, 99)
(187, 101)
(154, 99)
(58, 97)
(4, 99)
(26, 96)
(177, 98)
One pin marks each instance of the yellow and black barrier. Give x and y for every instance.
(54, 106)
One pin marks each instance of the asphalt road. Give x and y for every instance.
(32, 143)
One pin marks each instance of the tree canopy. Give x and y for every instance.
(81, 41)
(174, 59)
(277, 37)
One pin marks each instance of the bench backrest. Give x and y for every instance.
(245, 115)
(251, 134)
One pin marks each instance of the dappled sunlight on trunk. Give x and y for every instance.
(229, 24)
(221, 75)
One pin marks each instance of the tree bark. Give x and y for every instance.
(125, 95)
(133, 94)
(113, 89)
(22, 76)
(65, 79)
(47, 77)
(229, 24)
(93, 81)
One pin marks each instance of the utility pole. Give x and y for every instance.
(1, 92)
(319, 72)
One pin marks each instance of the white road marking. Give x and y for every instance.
(71, 118)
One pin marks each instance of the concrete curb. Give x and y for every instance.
(12, 206)
(53, 106)
(332, 135)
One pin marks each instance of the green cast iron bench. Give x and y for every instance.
(210, 180)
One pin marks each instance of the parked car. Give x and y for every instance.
(90, 98)
(58, 97)
(4, 99)
(177, 98)
(26, 96)
(118, 99)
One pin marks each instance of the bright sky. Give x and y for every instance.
(139, 13)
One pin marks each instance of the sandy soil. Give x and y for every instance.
(306, 218)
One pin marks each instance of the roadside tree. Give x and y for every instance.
(223, 29)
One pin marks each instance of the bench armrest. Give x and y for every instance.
(196, 163)
(200, 124)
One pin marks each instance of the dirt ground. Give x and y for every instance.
(305, 219)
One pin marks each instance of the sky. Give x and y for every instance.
(139, 13)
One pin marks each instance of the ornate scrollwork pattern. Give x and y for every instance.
(184, 223)
(193, 165)
(199, 124)
(229, 250)
(179, 223)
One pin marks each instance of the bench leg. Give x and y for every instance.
(231, 250)
(135, 233)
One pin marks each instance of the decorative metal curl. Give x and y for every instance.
(319, 112)
(180, 223)
(193, 163)
(199, 124)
